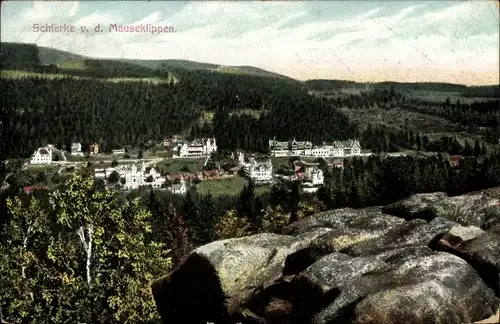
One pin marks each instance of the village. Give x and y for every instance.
(287, 161)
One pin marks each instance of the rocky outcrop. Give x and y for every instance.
(480, 209)
(347, 266)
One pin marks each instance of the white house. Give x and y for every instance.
(279, 149)
(178, 188)
(351, 147)
(201, 147)
(300, 148)
(315, 176)
(76, 149)
(306, 148)
(158, 180)
(100, 173)
(42, 156)
(134, 177)
(259, 171)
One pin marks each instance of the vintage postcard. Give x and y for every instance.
(247, 162)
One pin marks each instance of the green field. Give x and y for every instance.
(230, 186)
(262, 189)
(73, 158)
(157, 154)
(177, 165)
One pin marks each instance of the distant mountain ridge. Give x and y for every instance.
(19, 55)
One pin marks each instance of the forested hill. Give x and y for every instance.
(492, 91)
(44, 59)
(62, 110)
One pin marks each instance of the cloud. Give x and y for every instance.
(294, 38)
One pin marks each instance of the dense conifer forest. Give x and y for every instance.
(58, 111)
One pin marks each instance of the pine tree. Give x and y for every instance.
(477, 149)
(205, 227)
(468, 151)
(191, 213)
(246, 205)
(178, 235)
(483, 149)
(294, 201)
(419, 142)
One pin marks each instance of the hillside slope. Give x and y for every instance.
(19, 56)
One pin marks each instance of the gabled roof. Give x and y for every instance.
(43, 151)
(337, 145)
(277, 144)
(455, 158)
(348, 143)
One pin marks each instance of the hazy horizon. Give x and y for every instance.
(440, 41)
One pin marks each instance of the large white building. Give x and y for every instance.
(42, 156)
(178, 188)
(313, 180)
(76, 149)
(297, 148)
(260, 172)
(315, 176)
(201, 147)
(134, 176)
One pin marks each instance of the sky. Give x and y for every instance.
(368, 41)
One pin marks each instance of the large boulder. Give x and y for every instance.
(411, 285)
(416, 206)
(480, 208)
(362, 233)
(348, 227)
(370, 218)
(217, 278)
(480, 249)
(413, 233)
